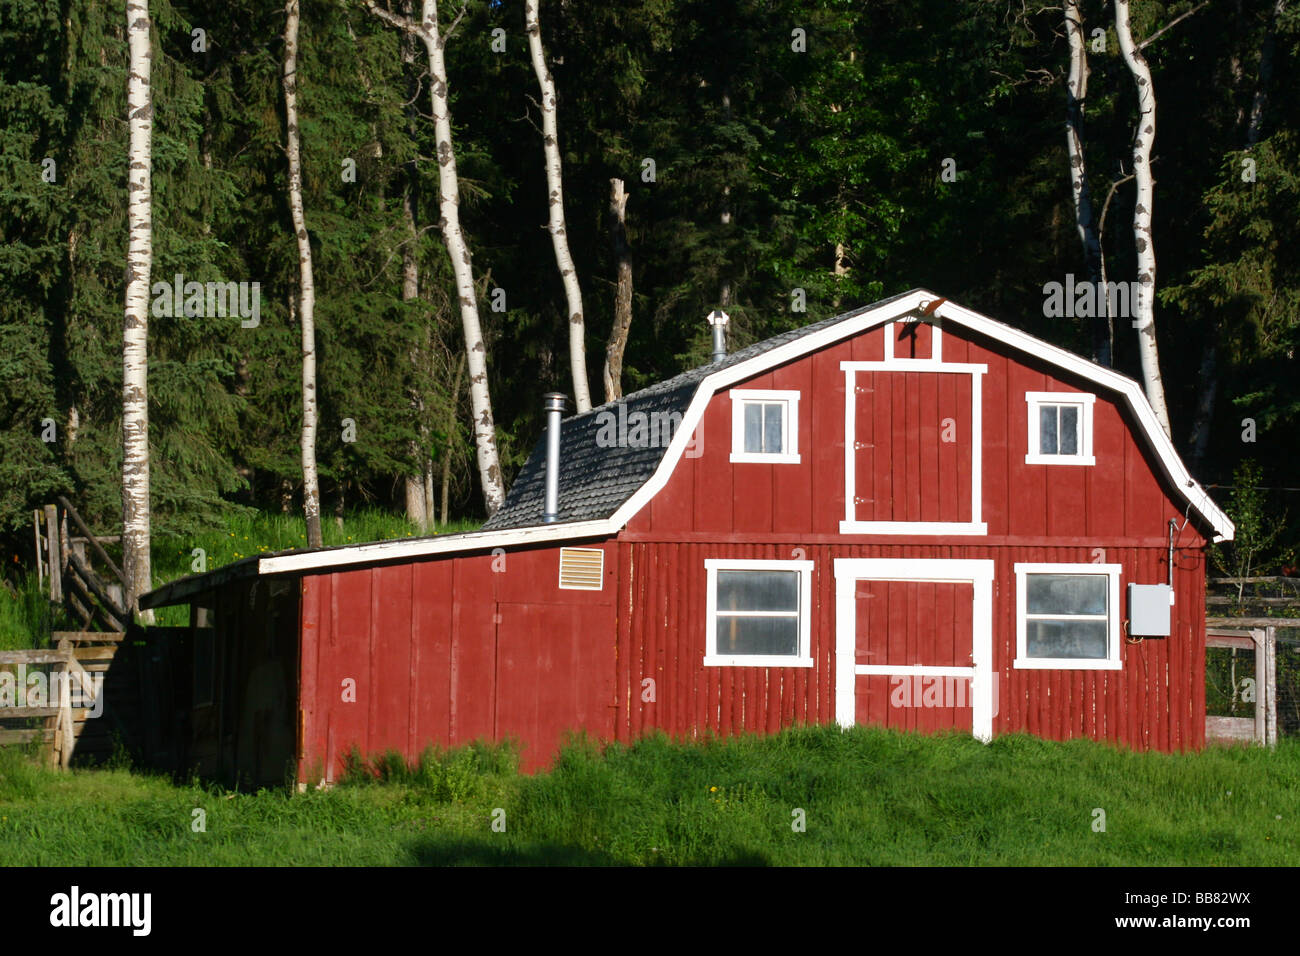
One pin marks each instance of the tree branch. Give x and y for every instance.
(1169, 26)
(402, 23)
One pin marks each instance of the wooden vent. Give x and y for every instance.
(582, 568)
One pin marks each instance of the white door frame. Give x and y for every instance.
(979, 572)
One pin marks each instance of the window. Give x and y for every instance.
(1067, 616)
(764, 426)
(758, 613)
(1060, 428)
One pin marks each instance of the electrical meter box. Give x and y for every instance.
(1148, 609)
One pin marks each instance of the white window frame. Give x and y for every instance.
(1112, 661)
(1085, 401)
(789, 425)
(803, 657)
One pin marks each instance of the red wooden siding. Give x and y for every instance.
(1157, 700)
(913, 446)
(1120, 498)
(443, 651)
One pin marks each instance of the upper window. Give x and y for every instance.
(1060, 428)
(1067, 616)
(764, 425)
(758, 613)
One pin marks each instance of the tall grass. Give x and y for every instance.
(864, 797)
(26, 615)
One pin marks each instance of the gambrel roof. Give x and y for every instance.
(598, 483)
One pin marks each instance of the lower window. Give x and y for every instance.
(1067, 616)
(758, 613)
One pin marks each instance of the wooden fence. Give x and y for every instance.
(71, 685)
(80, 574)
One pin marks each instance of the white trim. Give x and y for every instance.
(802, 658)
(915, 365)
(848, 571)
(1085, 401)
(913, 670)
(850, 524)
(1112, 661)
(789, 425)
(914, 527)
(936, 341)
(419, 547)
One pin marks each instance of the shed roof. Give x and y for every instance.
(601, 486)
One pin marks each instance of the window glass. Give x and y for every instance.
(1067, 638)
(1047, 430)
(758, 591)
(753, 427)
(772, 418)
(1069, 441)
(758, 635)
(1066, 594)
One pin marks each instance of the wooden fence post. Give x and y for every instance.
(52, 546)
(1261, 687)
(1270, 684)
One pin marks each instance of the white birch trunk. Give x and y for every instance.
(1144, 321)
(555, 202)
(136, 563)
(485, 440)
(613, 374)
(1076, 92)
(307, 285)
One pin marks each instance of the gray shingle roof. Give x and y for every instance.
(596, 480)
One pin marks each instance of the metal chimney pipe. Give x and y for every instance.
(719, 319)
(555, 403)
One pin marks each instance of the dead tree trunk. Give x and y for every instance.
(555, 205)
(622, 293)
(306, 282)
(1076, 92)
(136, 561)
(485, 439)
(1144, 138)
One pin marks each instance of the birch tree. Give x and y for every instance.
(555, 204)
(1076, 92)
(485, 442)
(1143, 139)
(306, 283)
(613, 376)
(136, 563)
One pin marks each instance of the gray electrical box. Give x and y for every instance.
(1148, 610)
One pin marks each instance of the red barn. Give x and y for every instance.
(908, 515)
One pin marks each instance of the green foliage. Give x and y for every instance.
(1252, 550)
(869, 797)
(778, 169)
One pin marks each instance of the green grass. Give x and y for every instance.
(868, 797)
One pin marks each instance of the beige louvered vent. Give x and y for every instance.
(582, 568)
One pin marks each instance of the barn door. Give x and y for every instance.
(914, 644)
(913, 447)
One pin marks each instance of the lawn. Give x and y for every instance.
(808, 796)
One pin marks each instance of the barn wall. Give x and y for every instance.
(443, 651)
(1120, 499)
(1155, 701)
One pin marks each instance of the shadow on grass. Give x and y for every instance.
(491, 853)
